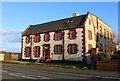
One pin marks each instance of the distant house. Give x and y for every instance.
(66, 39)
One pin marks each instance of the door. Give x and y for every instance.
(46, 51)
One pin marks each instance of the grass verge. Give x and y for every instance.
(52, 64)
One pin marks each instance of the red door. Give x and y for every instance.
(46, 51)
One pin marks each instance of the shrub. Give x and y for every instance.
(115, 57)
(101, 56)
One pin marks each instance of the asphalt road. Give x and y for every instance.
(19, 71)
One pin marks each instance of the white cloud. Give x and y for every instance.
(11, 32)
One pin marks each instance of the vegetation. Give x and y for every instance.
(116, 56)
(102, 56)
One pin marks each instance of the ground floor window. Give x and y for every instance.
(37, 51)
(27, 52)
(72, 48)
(58, 49)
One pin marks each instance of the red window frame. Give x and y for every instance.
(38, 38)
(28, 41)
(27, 51)
(38, 52)
(45, 37)
(59, 48)
(55, 35)
(70, 34)
(72, 51)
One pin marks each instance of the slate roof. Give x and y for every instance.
(56, 25)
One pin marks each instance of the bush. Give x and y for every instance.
(101, 56)
(115, 57)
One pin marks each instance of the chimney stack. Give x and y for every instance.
(75, 14)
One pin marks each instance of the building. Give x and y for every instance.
(66, 39)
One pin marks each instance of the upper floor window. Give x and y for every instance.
(72, 48)
(72, 34)
(58, 49)
(111, 35)
(27, 52)
(37, 38)
(100, 31)
(58, 35)
(108, 34)
(104, 33)
(37, 51)
(89, 34)
(89, 21)
(27, 39)
(47, 37)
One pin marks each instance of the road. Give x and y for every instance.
(19, 71)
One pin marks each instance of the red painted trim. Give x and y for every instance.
(37, 35)
(58, 49)
(28, 50)
(48, 50)
(70, 36)
(22, 48)
(55, 37)
(37, 51)
(45, 37)
(27, 39)
(72, 48)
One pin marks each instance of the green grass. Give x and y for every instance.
(53, 64)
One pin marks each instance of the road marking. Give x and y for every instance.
(28, 77)
(18, 73)
(21, 76)
(42, 77)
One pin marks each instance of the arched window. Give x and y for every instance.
(89, 34)
(100, 31)
(104, 33)
(89, 48)
(108, 34)
(111, 35)
(89, 22)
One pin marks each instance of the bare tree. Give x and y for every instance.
(112, 42)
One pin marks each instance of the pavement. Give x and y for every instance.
(34, 72)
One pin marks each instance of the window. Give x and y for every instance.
(27, 52)
(89, 34)
(100, 31)
(72, 48)
(36, 51)
(72, 34)
(58, 35)
(108, 35)
(37, 38)
(89, 22)
(111, 35)
(58, 49)
(27, 39)
(47, 37)
(104, 33)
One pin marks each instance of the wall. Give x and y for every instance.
(112, 65)
(1, 56)
(52, 43)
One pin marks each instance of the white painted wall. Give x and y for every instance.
(52, 43)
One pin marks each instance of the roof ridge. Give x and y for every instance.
(57, 20)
